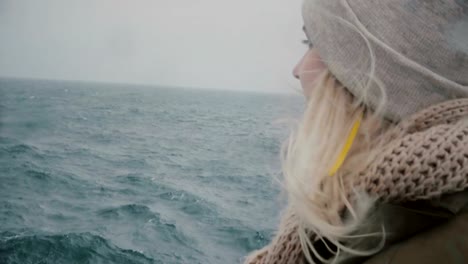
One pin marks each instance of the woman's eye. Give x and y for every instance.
(307, 42)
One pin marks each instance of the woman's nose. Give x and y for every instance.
(297, 69)
(296, 72)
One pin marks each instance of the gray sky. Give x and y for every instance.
(236, 44)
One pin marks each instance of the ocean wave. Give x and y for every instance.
(129, 210)
(21, 149)
(133, 178)
(146, 223)
(244, 238)
(133, 183)
(177, 175)
(10, 215)
(189, 203)
(5, 139)
(65, 248)
(15, 149)
(131, 163)
(39, 175)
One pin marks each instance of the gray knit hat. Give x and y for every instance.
(420, 49)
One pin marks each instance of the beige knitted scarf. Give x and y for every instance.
(426, 157)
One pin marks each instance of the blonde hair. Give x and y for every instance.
(310, 152)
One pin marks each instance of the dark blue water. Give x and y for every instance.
(94, 173)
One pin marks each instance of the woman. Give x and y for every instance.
(377, 169)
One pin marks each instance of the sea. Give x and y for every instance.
(119, 173)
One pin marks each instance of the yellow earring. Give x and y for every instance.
(344, 152)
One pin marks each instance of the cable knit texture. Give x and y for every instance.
(426, 157)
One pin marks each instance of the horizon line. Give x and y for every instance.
(147, 85)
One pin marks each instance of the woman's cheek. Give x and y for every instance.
(310, 68)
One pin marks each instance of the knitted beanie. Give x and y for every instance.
(410, 53)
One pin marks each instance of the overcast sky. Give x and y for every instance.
(236, 44)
